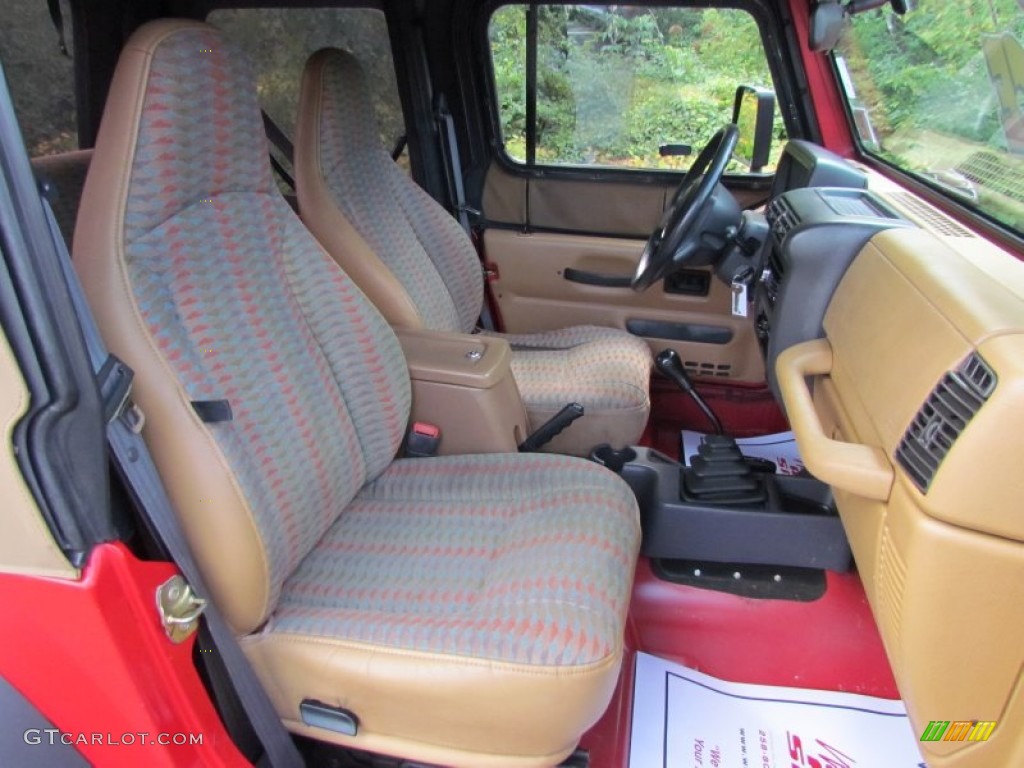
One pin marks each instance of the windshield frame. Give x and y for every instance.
(973, 216)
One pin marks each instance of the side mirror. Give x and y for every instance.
(753, 112)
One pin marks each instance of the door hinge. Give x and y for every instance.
(179, 608)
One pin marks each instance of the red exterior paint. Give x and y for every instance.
(93, 657)
(829, 644)
(824, 90)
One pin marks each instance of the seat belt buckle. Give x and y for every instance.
(423, 440)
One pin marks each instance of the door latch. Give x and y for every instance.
(179, 608)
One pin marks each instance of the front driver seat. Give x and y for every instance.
(420, 269)
(469, 610)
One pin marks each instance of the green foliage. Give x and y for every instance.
(926, 70)
(614, 83)
(508, 56)
(923, 81)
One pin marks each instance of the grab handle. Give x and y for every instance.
(859, 469)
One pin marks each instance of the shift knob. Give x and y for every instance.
(669, 363)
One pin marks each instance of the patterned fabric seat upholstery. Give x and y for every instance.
(418, 266)
(469, 610)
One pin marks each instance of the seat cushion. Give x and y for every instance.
(459, 592)
(604, 369)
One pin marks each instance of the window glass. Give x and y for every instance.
(279, 40)
(939, 93)
(616, 82)
(39, 76)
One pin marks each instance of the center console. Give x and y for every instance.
(463, 384)
(751, 516)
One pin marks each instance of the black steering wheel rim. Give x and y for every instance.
(678, 233)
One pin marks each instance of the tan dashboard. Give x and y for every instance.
(912, 408)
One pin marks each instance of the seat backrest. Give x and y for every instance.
(411, 258)
(206, 283)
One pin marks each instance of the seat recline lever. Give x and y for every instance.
(546, 432)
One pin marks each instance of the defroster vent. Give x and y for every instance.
(947, 411)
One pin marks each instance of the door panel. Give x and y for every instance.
(533, 294)
(26, 543)
(605, 207)
(593, 114)
(610, 206)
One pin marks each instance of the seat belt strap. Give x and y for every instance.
(282, 172)
(457, 190)
(399, 148)
(277, 137)
(58, 23)
(453, 163)
(135, 465)
(284, 146)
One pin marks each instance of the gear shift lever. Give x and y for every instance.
(669, 364)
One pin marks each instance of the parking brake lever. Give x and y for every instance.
(669, 364)
(553, 426)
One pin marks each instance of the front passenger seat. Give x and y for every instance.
(468, 610)
(420, 269)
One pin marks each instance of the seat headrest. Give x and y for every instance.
(200, 130)
(344, 84)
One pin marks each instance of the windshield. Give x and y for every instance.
(939, 92)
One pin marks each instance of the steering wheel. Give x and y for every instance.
(678, 236)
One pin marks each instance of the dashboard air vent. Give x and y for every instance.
(947, 411)
(931, 217)
(781, 218)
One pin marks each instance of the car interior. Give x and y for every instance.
(418, 412)
(382, 228)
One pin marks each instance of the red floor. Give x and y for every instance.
(745, 411)
(831, 643)
(828, 644)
